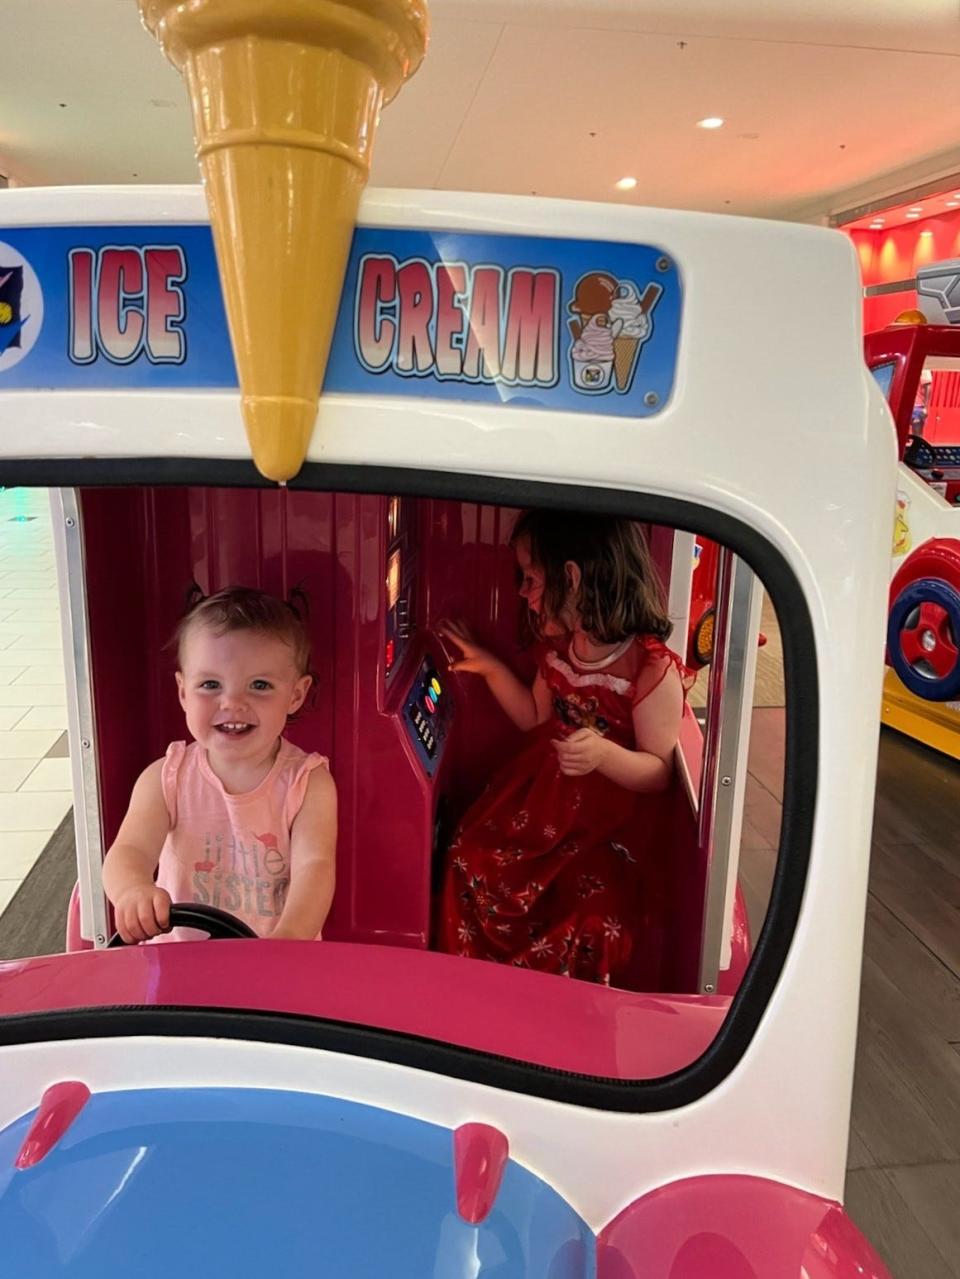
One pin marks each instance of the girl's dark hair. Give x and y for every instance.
(243, 608)
(620, 593)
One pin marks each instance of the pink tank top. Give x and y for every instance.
(231, 851)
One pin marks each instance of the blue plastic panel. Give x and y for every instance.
(114, 308)
(946, 455)
(285, 1185)
(883, 373)
(495, 318)
(427, 713)
(573, 325)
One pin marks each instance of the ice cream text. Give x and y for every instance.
(454, 321)
(126, 301)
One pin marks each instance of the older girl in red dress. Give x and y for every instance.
(559, 864)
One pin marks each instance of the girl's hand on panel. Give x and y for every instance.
(476, 660)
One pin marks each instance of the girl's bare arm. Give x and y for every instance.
(313, 861)
(141, 909)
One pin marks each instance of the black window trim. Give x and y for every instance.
(667, 1092)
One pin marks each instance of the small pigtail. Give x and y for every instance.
(194, 596)
(298, 603)
(191, 598)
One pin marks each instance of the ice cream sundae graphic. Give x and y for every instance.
(612, 321)
(592, 355)
(592, 296)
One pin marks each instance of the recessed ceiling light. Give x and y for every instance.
(710, 122)
(876, 226)
(916, 208)
(953, 204)
(926, 233)
(626, 184)
(913, 215)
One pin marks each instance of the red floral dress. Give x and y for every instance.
(564, 874)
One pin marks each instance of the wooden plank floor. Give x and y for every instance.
(903, 1180)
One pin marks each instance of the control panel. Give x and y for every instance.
(399, 583)
(946, 455)
(427, 714)
(921, 455)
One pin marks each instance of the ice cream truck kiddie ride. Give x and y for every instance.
(366, 1105)
(917, 364)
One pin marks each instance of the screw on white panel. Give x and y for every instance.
(85, 743)
(725, 781)
(708, 988)
(70, 521)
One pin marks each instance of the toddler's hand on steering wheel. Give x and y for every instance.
(476, 660)
(141, 912)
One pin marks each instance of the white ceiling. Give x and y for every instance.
(556, 97)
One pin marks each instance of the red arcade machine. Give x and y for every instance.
(917, 365)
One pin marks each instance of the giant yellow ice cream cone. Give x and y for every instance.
(286, 96)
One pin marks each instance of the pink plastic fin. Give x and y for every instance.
(480, 1154)
(59, 1107)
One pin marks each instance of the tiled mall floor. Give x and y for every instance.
(35, 782)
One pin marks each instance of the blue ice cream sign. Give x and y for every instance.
(568, 325)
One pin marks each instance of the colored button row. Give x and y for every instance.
(431, 695)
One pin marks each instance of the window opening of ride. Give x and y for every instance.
(466, 828)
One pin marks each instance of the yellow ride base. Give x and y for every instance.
(936, 724)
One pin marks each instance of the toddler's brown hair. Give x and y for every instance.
(244, 608)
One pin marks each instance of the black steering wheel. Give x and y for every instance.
(918, 453)
(220, 924)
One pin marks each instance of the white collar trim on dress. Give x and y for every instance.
(590, 679)
(600, 663)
